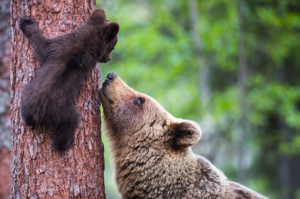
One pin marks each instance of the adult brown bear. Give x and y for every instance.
(152, 153)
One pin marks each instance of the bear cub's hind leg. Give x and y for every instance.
(64, 136)
(64, 132)
(28, 117)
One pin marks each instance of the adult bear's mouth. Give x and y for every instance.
(109, 79)
(105, 94)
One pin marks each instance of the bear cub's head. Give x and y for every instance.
(108, 32)
(134, 119)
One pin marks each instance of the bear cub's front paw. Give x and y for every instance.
(26, 22)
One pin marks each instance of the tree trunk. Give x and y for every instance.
(38, 171)
(289, 176)
(4, 172)
(203, 69)
(5, 38)
(242, 77)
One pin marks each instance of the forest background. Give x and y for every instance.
(231, 66)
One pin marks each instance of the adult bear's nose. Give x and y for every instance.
(110, 76)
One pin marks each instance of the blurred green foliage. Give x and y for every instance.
(155, 55)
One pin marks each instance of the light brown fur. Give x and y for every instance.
(152, 153)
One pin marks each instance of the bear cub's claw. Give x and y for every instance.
(25, 22)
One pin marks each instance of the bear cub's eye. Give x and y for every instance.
(139, 100)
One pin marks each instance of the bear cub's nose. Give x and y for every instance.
(110, 76)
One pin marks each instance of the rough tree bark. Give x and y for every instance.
(38, 171)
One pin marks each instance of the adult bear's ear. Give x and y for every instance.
(183, 133)
(110, 30)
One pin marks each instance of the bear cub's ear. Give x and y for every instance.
(98, 17)
(184, 134)
(110, 31)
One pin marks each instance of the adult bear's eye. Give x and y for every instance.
(139, 100)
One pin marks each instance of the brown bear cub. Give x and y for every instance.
(152, 153)
(65, 61)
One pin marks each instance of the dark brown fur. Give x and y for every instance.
(152, 153)
(65, 61)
